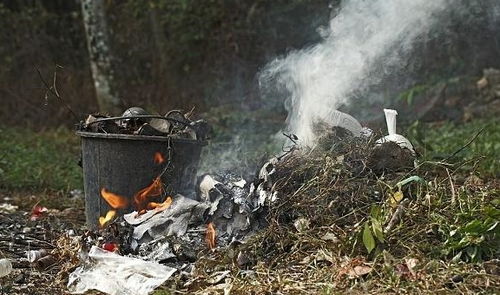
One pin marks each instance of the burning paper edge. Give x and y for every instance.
(117, 275)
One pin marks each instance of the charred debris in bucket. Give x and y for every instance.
(138, 121)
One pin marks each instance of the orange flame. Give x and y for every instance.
(158, 207)
(210, 236)
(153, 190)
(158, 159)
(109, 216)
(141, 198)
(114, 200)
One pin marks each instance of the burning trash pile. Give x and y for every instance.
(143, 238)
(154, 214)
(314, 217)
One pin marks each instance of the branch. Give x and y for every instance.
(53, 90)
(467, 144)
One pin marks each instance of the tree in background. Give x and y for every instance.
(169, 54)
(97, 33)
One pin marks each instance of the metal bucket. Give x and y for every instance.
(124, 164)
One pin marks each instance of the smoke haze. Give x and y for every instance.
(363, 42)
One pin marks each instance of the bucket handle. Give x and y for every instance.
(139, 117)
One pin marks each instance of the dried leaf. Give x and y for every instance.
(302, 224)
(402, 270)
(407, 269)
(411, 263)
(330, 237)
(359, 271)
(325, 255)
(395, 199)
(217, 277)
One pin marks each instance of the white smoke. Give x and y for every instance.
(363, 42)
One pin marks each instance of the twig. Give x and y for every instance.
(467, 144)
(397, 216)
(452, 186)
(443, 162)
(293, 138)
(53, 90)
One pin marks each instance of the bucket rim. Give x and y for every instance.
(138, 137)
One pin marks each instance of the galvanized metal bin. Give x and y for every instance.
(124, 164)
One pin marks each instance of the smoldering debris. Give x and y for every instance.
(298, 190)
(138, 121)
(229, 210)
(315, 202)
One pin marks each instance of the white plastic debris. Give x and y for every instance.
(240, 183)
(346, 121)
(366, 132)
(35, 255)
(7, 208)
(268, 169)
(208, 183)
(157, 250)
(390, 119)
(5, 267)
(113, 274)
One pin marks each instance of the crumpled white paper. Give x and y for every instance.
(172, 221)
(114, 274)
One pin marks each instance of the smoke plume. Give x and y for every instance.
(363, 42)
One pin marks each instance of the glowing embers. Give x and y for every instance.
(210, 236)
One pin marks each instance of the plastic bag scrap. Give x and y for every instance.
(114, 274)
(346, 121)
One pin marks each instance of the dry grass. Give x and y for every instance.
(315, 241)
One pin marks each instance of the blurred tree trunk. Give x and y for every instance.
(98, 43)
(159, 39)
(160, 71)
